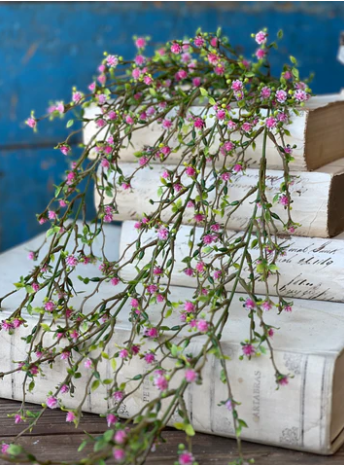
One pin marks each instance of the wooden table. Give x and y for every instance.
(54, 439)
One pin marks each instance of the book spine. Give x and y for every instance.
(309, 191)
(148, 136)
(296, 416)
(311, 268)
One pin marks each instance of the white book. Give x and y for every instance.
(316, 130)
(307, 414)
(317, 198)
(311, 268)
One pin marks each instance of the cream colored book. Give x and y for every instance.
(311, 268)
(317, 198)
(307, 414)
(316, 131)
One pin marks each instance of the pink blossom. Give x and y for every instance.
(140, 42)
(123, 353)
(188, 271)
(199, 41)
(100, 122)
(112, 61)
(72, 260)
(181, 74)
(283, 380)
(237, 85)
(199, 217)
(288, 75)
(220, 69)
(288, 308)
(111, 419)
(31, 122)
(189, 307)
(135, 349)
(92, 86)
(118, 454)
(226, 176)
(248, 349)
(196, 81)
(202, 326)
(105, 163)
(52, 215)
(261, 37)
(200, 267)
(186, 458)
(4, 448)
(270, 122)
(166, 150)
(18, 419)
(199, 123)
(260, 53)
(161, 383)
(134, 303)
(31, 255)
(176, 48)
(162, 233)
(213, 42)
(149, 358)
(65, 149)
(52, 402)
(148, 80)
(60, 107)
(213, 58)
(166, 123)
(151, 332)
(35, 286)
(118, 395)
(232, 125)
(270, 332)
(283, 200)
(229, 405)
(49, 306)
(281, 96)
(300, 95)
(247, 127)
(265, 92)
(208, 239)
(88, 363)
(266, 306)
(221, 114)
(249, 304)
(227, 147)
(140, 60)
(129, 119)
(125, 186)
(120, 436)
(237, 168)
(70, 417)
(191, 375)
(114, 281)
(65, 355)
(190, 171)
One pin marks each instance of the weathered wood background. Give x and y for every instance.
(48, 47)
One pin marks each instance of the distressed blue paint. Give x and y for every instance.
(46, 48)
(27, 179)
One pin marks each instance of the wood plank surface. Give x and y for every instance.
(54, 439)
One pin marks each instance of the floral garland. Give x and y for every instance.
(241, 101)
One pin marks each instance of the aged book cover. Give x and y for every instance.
(316, 131)
(307, 414)
(317, 198)
(311, 268)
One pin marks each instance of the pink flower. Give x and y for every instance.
(151, 332)
(237, 85)
(221, 114)
(196, 81)
(281, 96)
(60, 107)
(288, 75)
(161, 383)
(31, 122)
(266, 306)
(190, 171)
(35, 286)
(88, 363)
(111, 61)
(123, 353)
(129, 119)
(226, 176)
(227, 147)
(72, 260)
(189, 307)
(283, 200)
(199, 217)
(166, 123)
(176, 48)
(118, 395)
(162, 233)
(148, 80)
(149, 358)
(199, 41)
(52, 215)
(120, 436)
(166, 150)
(4, 448)
(191, 375)
(249, 304)
(152, 288)
(261, 37)
(213, 58)
(270, 332)
(134, 303)
(265, 92)
(52, 402)
(111, 419)
(114, 281)
(213, 42)
(70, 417)
(248, 349)
(17, 419)
(139, 60)
(300, 95)
(65, 149)
(118, 454)
(200, 267)
(199, 123)
(283, 380)
(237, 168)
(31, 255)
(229, 405)
(49, 306)
(202, 326)
(270, 122)
(247, 127)
(186, 458)
(188, 271)
(288, 308)
(140, 42)
(64, 389)
(260, 53)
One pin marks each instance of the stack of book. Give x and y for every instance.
(308, 414)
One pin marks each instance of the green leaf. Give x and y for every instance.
(70, 123)
(95, 385)
(203, 91)
(189, 430)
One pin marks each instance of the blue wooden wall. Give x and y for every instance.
(47, 47)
